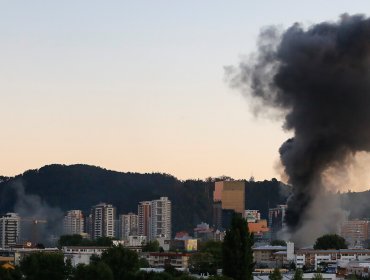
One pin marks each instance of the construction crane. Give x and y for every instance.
(34, 228)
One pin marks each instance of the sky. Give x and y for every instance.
(139, 85)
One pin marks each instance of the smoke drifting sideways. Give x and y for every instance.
(318, 80)
(30, 208)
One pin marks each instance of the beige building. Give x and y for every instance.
(73, 222)
(355, 231)
(231, 194)
(128, 225)
(177, 260)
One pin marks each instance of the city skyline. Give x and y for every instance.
(139, 87)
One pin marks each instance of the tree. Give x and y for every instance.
(143, 263)
(202, 263)
(213, 248)
(219, 277)
(275, 275)
(278, 242)
(151, 246)
(171, 270)
(10, 273)
(141, 275)
(123, 262)
(96, 271)
(237, 257)
(317, 276)
(298, 275)
(78, 240)
(70, 240)
(330, 241)
(45, 266)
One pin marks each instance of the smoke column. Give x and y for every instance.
(32, 207)
(318, 80)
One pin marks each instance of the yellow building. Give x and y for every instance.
(231, 194)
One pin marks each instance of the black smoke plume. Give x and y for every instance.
(318, 79)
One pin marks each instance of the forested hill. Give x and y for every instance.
(81, 186)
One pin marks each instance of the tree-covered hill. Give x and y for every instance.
(82, 186)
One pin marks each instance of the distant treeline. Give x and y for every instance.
(82, 186)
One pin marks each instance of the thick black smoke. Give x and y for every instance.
(319, 79)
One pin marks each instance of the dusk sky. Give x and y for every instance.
(139, 85)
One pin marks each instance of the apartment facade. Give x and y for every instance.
(161, 218)
(355, 231)
(177, 260)
(102, 221)
(82, 255)
(144, 213)
(231, 194)
(155, 218)
(9, 230)
(313, 258)
(73, 222)
(128, 225)
(277, 219)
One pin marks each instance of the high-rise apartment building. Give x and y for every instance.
(217, 214)
(277, 219)
(231, 194)
(9, 230)
(228, 198)
(160, 222)
(102, 220)
(73, 222)
(155, 218)
(128, 225)
(144, 212)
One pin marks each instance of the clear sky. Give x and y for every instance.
(139, 85)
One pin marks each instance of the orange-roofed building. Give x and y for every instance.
(259, 228)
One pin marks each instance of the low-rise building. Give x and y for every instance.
(203, 232)
(19, 253)
(259, 229)
(187, 244)
(177, 260)
(136, 240)
(81, 254)
(311, 258)
(164, 242)
(269, 256)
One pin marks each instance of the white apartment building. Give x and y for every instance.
(128, 225)
(81, 254)
(160, 222)
(73, 222)
(9, 230)
(313, 258)
(155, 218)
(102, 220)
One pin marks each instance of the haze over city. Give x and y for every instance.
(141, 86)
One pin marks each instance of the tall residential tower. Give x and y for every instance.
(155, 218)
(73, 222)
(102, 221)
(9, 230)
